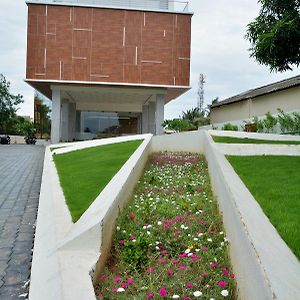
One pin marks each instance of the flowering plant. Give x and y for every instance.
(169, 242)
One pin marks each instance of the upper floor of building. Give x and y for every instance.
(157, 5)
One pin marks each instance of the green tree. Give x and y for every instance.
(42, 119)
(8, 104)
(275, 34)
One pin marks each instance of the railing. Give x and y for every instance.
(170, 5)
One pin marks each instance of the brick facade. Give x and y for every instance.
(108, 45)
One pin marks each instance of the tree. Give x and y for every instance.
(8, 103)
(275, 34)
(42, 119)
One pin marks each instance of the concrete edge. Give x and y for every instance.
(59, 243)
(265, 266)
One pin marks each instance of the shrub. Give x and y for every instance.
(285, 121)
(229, 126)
(269, 122)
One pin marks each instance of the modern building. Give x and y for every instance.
(284, 95)
(109, 67)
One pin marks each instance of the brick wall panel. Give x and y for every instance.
(32, 24)
(133, 24)
(59, 14)
(109, 37)
(107, 18)
(41, 25)
(82, 39)
(132, 73)
(37, 9)
(82, 18)
(81, 70)
(108, 54)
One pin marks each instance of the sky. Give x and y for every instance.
(219, 51)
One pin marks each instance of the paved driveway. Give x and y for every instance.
(20, 178)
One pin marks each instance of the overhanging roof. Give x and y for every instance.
(171, 92)
(264, 90)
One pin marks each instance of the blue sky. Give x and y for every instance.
(219, 51)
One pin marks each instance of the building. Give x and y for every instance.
(257, 102)
(108, 66)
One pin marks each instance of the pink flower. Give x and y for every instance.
(130, 281)
(186, 298)
(170, 272)
(226, 272)
(150, 295)
(122, 242)
(204, 248)
(117, 279)
(222, 283)
(213, 265)
(115, 290)
(163, 292)
(132, 238)
(163, 261)
(124, 285)
(102, 277)
(150, 270)
(175, 261)
(189, 285)
(182, 267)
(204, 274)
(100, 296)
(232, 276)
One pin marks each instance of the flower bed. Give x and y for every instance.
(169, 241)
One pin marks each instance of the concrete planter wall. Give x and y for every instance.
(66, 255)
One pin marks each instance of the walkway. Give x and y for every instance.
(20, 178)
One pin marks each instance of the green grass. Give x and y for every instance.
(274, 181)
(83, 174)
(234, 140)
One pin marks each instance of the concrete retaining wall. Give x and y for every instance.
(67, 254)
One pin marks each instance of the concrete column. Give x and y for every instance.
(145, 119)
(72, 121)
(78, 119)
(151, 120)
(56, 116)
(82, 122)
(65, 120)
(159, 114)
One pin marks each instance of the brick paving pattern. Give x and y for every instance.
(20, 179)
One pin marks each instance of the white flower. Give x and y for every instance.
(197, 250)
(133, 241)
(209, 240)
(200, 234)
(118, 228)
(120, 290)
(144, 227)
(221, 232)
(197, 294)
(159, 223)
(148, 232)
(149, 226)
(182, 226)
(224, 293)
(190, 254)
(157, 248)
(175, 297)
(195, 239)
(212, 299)
(187, 251)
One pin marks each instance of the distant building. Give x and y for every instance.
(257, 102)
(109, 67)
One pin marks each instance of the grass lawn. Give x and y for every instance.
(83, 174)
(274, 181)
(234, 140)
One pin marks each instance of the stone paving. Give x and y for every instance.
(20, 179)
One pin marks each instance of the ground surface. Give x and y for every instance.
(234, 140)
(274, 181)
(83, 174)
(20, 178)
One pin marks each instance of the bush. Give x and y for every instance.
(229, 126)
(269, 122)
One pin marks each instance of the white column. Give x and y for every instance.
(151, 120)
(159, 114)
(56, 116)
(145, 119)
(65, 120)
(72, 121)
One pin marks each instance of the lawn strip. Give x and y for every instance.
(234, 140)
(274, 181)
(83, 174)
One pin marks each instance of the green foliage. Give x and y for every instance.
(269, 122)
(25, 127)
(289, 123)
(190, 120)
(229, 126)
(178, 125)
(8, 104)
(275, 34)
(42, 117)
